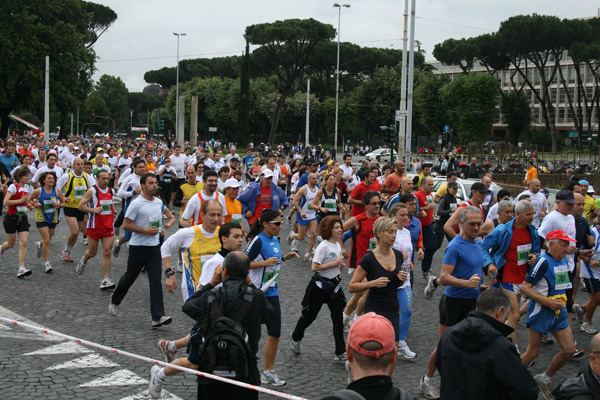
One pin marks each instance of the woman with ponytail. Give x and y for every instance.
(265, 256)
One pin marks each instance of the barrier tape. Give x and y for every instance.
(147, 359)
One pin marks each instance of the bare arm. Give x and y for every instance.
(452, 222)
(447, 279)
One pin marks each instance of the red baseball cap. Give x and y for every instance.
(558, 234)
(372, 327)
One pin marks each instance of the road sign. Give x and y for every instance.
(446, 128)
(400, 115)
(212, 128)
(573, 134)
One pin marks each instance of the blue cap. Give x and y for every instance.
(47, 148)
(584, 182)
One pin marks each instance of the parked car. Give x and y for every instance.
(380, 155)
(464, 187)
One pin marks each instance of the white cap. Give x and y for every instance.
(591, 189)
(266, 173)
(232, 183)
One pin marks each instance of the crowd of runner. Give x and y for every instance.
(538, 256)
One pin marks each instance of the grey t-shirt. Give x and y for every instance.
(145, 214)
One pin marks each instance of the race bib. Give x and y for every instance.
(330, 204)
(204, 259)
(106, 207)
(21, 210)
(268, 275)
(309, 207)
(236, 218)
(156, 223)
(429, 200)
(561, 278)
(372, 244)
(167, 180)
(48, 206)
(523, 252)
(79, 191)
(282, 178)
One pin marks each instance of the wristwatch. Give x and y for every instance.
(169, 272)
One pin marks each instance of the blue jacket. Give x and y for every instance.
(500, 239)
(249, 198)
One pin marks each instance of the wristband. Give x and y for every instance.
(169, 272)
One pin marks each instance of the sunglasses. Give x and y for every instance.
(375, 203)
(276, 223)
(474, 223)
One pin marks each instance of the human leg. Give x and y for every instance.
(310, 310)
(513, 317)
(154, 269)
(564, 337)
(23, 236)
(429, 247)
(107, 244)
(312, 227)
(135, 262)
(45, 242)
(336, 305)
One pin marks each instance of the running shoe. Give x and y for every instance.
(47, 267)
(107, 284)
(116, 248)
(38, 249)
(290, 237)
(271, 378)
(113, 308)
(155, 387)
(163, 346)
(23, 272)
(405, 352)
(578, 352)
(340, 357)
(426, 275)
(587, 327)
(85, 241)
(81, 266)
(67, 256)
(544, 388)
(294, 346)
(294, 245)
(547, 339)
(429, 390)
(117, 231)
(578, 313)
(347, 325)
(179, 267)
(430, 287)
(307, 257)
(164, 320)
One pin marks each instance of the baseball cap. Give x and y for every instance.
(266, 173)
(232, 183)
(371, 327)
(566, 195)
(584, 182)
(479, 187)
(558, 234)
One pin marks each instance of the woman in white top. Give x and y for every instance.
(403, 244)
(325, 287)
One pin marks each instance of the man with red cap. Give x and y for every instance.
(371, 351)
(546, 285)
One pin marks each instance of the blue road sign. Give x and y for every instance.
(446, 128)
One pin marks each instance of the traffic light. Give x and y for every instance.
(389, 134)
(161, 124)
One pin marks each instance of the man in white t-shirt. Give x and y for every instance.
(347, 168)
(66, 154)
(192, 214)
(50, 166)
(178, 161)
(540, 203)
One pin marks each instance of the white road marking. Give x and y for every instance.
(123, 377)
(89, 361)
(62, 348)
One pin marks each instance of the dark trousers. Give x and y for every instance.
(222, 390)
(429, 247)
(316, 299)
(140, 256)
(120, 218)
(439, 235)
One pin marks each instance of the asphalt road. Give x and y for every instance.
(38, 366)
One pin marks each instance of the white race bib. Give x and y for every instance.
(561, 278)
(106, 207)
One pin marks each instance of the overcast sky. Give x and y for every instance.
(142, 38)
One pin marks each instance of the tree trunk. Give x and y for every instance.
(5, 123)
(63, 125)
(276, 114)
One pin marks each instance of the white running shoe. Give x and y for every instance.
(271, 378)
(290, 237)
(405, 352)
(23, 272)
(155, 387)
(107, 284)
(38, 249)
(47, 267)
(294, 245)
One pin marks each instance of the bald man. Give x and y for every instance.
(393, 182)
(540, 203)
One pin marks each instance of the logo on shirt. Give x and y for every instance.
(275, 250)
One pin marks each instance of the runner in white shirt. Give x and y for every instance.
(194, 205)
(537, 198)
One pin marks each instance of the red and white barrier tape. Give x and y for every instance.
(147, 359)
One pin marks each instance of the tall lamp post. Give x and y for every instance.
(177, 88)
(337, 80)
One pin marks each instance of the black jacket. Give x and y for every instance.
(230, 296)
(477, 361)
(445, 207)
(583, 386)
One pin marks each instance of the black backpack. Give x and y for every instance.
(225, 351)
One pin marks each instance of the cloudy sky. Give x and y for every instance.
(142, 37)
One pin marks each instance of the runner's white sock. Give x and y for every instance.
(401, 343)
(428, 379)
(161, 374)
(545, 378)
(171, 347)
(345, 317)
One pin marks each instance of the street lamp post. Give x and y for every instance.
(177, 87)
(337, 80)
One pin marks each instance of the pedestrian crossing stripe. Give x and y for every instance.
(145, 394)
(122, 377)
(62, 348)
(89, 361)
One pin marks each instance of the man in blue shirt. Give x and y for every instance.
(247, 162)
(461, 274)
(8, 158)
(545, 284)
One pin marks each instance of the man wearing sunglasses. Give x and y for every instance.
(461, 274)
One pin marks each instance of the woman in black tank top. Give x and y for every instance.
(327, 201)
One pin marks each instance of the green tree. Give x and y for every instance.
(114, 92)
(289, 45)
(470, 101)
(428, 104)
(243, 121)
(456, 52)
(516, 113)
